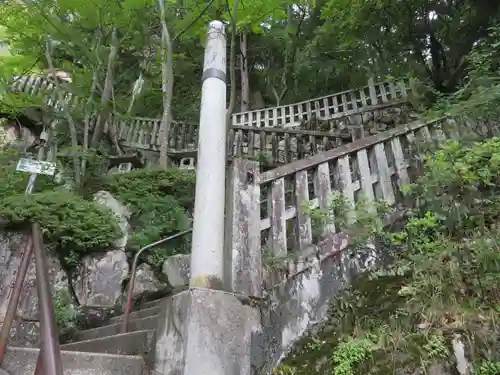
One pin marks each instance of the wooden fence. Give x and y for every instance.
(268, 134)
(326, 108)
(374, 167)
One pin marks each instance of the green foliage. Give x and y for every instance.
(442, 278)
(460, 185)
(66, 313)
(158, 200)
(133, 188)
(72, 226)
(283, 370)
(488, 368)
(12, 182)
(348, 354)
(479, 96)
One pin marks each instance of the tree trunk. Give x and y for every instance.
(66, 112)
(167, 86)
(245, 83)
(107, 92)
(232, 66)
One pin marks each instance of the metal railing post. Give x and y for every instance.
(130, 289)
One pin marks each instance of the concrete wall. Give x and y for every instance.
(302, 300)
(259, 332)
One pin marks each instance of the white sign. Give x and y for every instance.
(36, 166)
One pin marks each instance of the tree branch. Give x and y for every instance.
(67, 114)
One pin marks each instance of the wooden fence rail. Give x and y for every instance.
(374, 168)
(326, 108)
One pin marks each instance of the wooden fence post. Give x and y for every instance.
(243, 227)
(373, 92)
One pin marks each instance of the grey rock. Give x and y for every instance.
(25, 328)
(99, 278)
(177, 269)
(146, 280)
(121, 212)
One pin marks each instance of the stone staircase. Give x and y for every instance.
(102, 350)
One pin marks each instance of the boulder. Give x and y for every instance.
(121, 212)
(177, 269)
(25, 329)
(99, 279)
(146, 280)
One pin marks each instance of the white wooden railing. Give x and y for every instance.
(374, 168)
(326, 107)
(145, 130)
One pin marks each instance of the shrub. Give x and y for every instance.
(442, 281)
(134, 187)
(158, 200)
(72, 225)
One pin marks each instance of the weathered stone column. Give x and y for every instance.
(207, 252)
(209, 329)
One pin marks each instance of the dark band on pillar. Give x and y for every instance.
(213, 73)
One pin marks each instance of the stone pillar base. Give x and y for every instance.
(209, 332)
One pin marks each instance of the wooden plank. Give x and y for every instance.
(287, 152)
(131, 131)
(303, 222)
(424, 134)
(364, 101)
(373, 92)
(365, 175)
(323, 191)
(243, 239)
(438, 134)
(392, 90)
(239, 143)
(314, 160)
(154, 132)
(274, 147)
(384, 176)
(263, 142)
(277, 233)
(142, 132)
(251, 143)
(400, 163)
(344, 180)
(345, 108)
(402, 88)
(122, 130)
(383, 92)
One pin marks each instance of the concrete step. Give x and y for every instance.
(137, 342)
(22, 361)
(114, 329)
(144, 313)
(148, 305)
(159, 302)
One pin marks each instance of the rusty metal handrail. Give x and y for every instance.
(128, 304)
(14, 297)
(50, 350)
